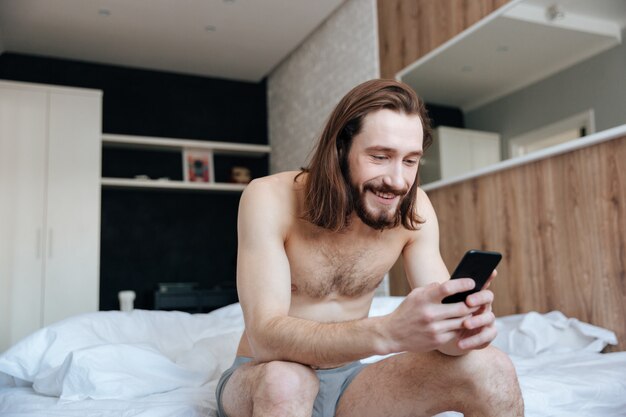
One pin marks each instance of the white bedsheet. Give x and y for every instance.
(153, 363)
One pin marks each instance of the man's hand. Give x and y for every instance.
(479, 330)
(422, 323)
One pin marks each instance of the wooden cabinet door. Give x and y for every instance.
(23, 132)
(409, 29)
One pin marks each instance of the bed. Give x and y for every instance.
(158, 363)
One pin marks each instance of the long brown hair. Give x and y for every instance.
(328, 201)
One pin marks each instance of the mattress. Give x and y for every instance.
(157, 363)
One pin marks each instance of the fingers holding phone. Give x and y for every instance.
(479, 329)
(491, 277)
(421, 322)
(479, 266)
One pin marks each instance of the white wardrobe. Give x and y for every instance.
(457, 151)
(50, 153)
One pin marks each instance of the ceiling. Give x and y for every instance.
(515, 47)
(234, 39)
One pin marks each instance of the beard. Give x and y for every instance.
(377, 218)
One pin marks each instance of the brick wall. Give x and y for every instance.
(305, 87)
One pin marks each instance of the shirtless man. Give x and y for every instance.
(313, 247)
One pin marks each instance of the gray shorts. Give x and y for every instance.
(333, 382)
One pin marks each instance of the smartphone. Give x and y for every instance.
(477, 265)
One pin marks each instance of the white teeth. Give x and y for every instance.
(384, 195)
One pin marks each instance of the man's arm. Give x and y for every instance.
(264, 285)
(424, 266)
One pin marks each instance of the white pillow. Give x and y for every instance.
(115, 371)
(171, 334)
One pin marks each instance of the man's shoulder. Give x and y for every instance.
(280, 178)
(426, 213)
(276, 192)
(280, 184)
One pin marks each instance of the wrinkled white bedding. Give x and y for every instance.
(155, 363)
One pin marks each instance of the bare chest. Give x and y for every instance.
(323, 266)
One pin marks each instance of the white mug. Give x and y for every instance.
(126, 300)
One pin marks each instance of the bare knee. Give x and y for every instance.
(491, 363)
(492, 379)
(282, 383)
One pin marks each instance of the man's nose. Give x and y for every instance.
(394, 178)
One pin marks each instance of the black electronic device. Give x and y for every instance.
(477, 265)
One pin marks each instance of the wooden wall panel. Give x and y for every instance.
(560, 222)
(408, 29)
(561, 226)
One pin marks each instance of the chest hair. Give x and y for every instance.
(349, 273)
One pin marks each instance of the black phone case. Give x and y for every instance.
(478, 265)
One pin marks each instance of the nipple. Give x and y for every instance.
(294, 288)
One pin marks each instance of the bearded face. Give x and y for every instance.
(377, 204)
(381, 166)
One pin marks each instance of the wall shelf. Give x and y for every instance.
(513, 48)
(218, 148)
(179, 145)
(173, 185)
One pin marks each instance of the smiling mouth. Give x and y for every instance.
(385, 199)
(386, 196)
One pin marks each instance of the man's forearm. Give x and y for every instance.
(318, 344)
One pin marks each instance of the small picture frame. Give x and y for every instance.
(198, 165)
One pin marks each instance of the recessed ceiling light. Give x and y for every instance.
(104, 12)
(210, 28)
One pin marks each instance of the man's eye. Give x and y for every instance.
(379, 157)
(410, 162)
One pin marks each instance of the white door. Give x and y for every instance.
(23, 133)
(73, 234)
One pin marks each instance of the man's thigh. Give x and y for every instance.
(404, 384)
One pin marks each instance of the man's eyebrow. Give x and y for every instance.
(392, 150)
